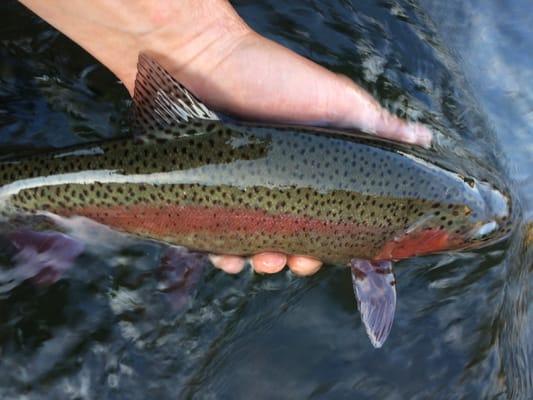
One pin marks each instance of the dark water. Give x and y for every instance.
(464, 322)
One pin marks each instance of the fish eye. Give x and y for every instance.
(469, 181)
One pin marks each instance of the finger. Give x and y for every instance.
(268, 262)
(390, 126)
(303, 266)
(228, 264)
(362, 111)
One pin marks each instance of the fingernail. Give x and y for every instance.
(417, 133)
(303, 266)
(234, 265)
(228, 264)
(215, 260)
(423, 134)
(268, 263)
(275, 259)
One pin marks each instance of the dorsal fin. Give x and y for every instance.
(160, 101)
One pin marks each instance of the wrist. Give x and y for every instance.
(192, 34)
(115, 31)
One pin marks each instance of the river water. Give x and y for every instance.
(463, 327)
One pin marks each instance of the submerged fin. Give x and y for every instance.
(375, 290)
(179, 272)
(160, 101)
(42, 257)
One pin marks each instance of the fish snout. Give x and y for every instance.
(497, 203)
(496, 216)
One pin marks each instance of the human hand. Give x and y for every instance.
(243, 73)
(212, 51)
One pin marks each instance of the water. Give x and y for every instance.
(463, 324)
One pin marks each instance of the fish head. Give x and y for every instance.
(475, 215)
(491, 217)
(471, 215)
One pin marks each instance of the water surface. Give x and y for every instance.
(463, 324)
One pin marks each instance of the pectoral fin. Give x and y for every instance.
(179, 272)
(375, 290)
(42, 257)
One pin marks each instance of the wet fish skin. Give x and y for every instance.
(242, 188)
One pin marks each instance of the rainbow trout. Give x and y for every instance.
(194, 180)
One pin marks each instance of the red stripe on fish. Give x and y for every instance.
(172, 219)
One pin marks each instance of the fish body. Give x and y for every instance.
(242, 188)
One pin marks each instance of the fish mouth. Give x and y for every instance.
(497, 203)
(496, 221)
(483, 229)
(486, 234)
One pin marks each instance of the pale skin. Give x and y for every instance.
(214, 53)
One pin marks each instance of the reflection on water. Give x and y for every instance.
(463, 325)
